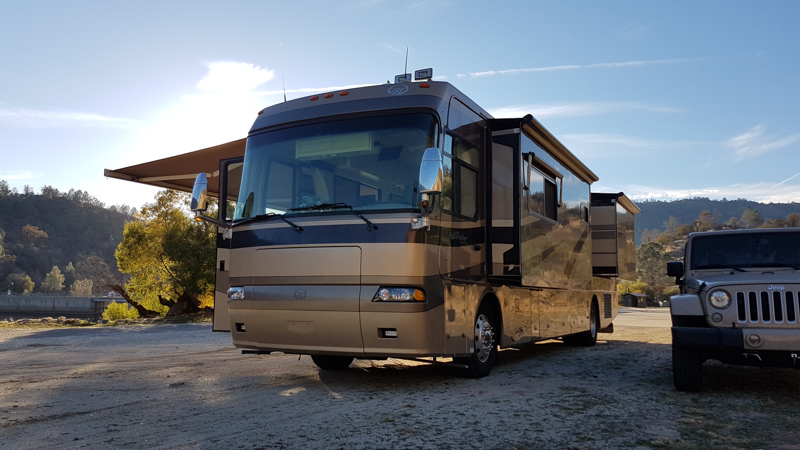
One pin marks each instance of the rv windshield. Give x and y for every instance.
(367, 163)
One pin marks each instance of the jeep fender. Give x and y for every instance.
(686, 305)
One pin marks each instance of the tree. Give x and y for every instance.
(751, 218)
(19, 283)
(54, 281)
(671, 225)
(793, 220)
(170, 257)
(650, 235)
(34, 236)
(93, 267)
(710, 218)
(651, 265)
(733, 223)
(69, 275)
(635, 287)
(81, 288)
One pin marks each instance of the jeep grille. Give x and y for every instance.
(762, 307)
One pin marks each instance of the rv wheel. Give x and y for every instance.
(328, 362)
(480, 363)
(586, 338)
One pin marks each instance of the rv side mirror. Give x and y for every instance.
(199, 205)
(675, 269)
(430, 178)
(200, 194)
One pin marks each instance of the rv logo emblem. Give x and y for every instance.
(398, 90)
(299, 294)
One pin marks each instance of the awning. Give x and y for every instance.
(178, 172)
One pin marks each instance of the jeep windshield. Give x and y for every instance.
(369, 163)
(746, 251)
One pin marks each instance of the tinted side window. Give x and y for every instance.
(542, 196)
(463, 151)
(460, 187)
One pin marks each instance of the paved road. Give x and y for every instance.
(644, 317)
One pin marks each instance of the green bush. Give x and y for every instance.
(120, 311)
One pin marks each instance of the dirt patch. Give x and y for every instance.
(182, 386)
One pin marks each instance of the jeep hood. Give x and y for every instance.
(767, 276)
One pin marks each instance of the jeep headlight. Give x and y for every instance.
(719, 299)
(395, 294)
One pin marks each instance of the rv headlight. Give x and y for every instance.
(236, 293)
(719, 299)
(395, 294)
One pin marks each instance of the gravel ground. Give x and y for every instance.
(182, 386)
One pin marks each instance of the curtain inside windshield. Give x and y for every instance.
(368, 163)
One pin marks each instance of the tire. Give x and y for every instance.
(586, 338)
(687, 369)
(328, 362)
(480, 363)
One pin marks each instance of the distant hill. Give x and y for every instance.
(655, 213)
(39, 231)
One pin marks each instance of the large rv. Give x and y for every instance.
(402, 220)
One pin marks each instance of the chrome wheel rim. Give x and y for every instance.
(484, 338)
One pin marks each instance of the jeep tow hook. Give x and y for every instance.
(755, 355)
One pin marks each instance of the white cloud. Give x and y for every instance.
(221, 110)
(56, 118)
(753, 143)
(491, 73)
(576, 109)
(631, 31)
(233, 76)
(613, 139)
(393, 49)
(310, 90)
(18, 176)
(759, 192)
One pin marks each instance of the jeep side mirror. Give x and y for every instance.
(675, 269)
(430, 178)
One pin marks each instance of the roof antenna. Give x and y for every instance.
(405, 69)
(284, 88)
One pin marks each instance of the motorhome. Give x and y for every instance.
(402, 220)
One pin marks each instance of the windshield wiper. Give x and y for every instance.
(294, 226)
(321, 206)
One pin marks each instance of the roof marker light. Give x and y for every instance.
(328, 95)
(260, 112)
(425, 85)
(343, 93)
(314, 97)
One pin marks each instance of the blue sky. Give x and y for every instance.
(661, 100)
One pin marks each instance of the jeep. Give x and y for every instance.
(738, 302)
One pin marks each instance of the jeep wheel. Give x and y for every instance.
(327, 362)
(687, 369)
